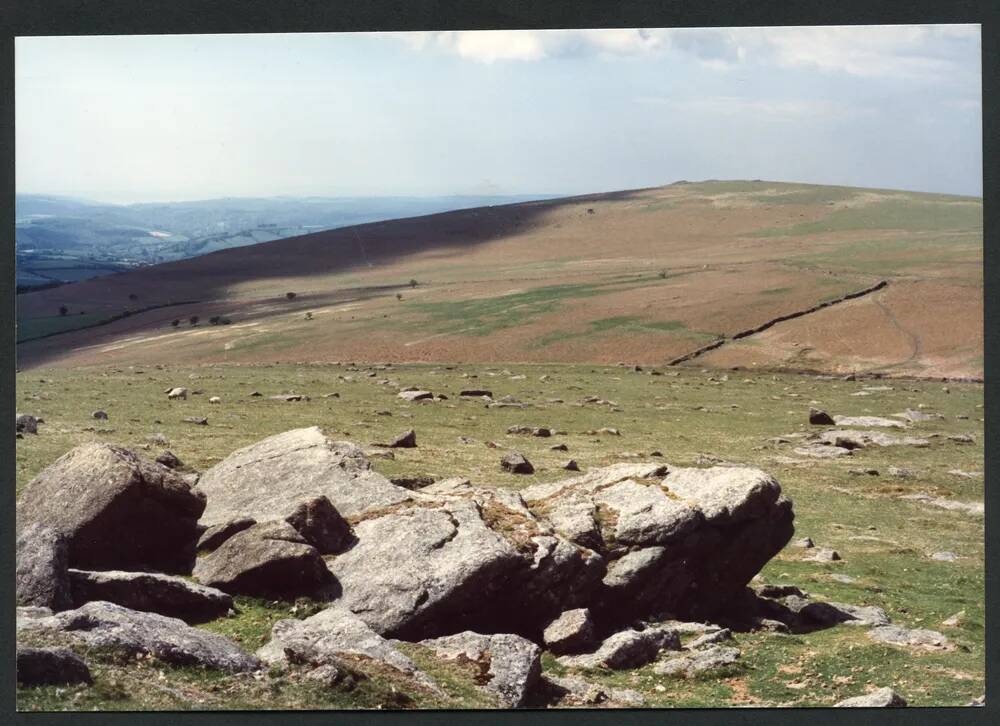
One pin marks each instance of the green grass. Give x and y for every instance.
(885, 541)
(485, 316)
(916, 215)
(896, 256)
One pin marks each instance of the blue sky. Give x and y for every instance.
(158, 118)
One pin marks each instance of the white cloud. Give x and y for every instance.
(902, 51)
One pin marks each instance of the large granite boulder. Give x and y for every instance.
(682, 541)
(151, 592)
(270, 559)
(106, 626)
(42, 578)
(270, 479)
(115, 510)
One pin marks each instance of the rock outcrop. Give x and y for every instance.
(50, 667)
(42, 578)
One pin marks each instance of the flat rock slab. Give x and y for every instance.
(269, 479)
(115, 510)
(416, 395)
(868, 421)
(50, 667)
(821, 451)
(856, 439)
(919, 638)
(509, 664)
(105, 625)
(700, 661)
(973, 508)
(881, 698)
(150, 592)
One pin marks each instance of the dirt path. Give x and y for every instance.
(891, 317)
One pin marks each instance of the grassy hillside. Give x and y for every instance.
(644, 276)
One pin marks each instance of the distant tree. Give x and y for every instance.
(309, 316)
(399, 296)
(175, 323)
(193, 320)
(126, 313)
(63, 310)
(413, 283)
(214, 320)
(133, 296)
(225, 321)
(290, 295)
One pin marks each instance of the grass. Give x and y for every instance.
(626, 325)
(894, 257)
(885, 541)
(37, 327)
(891, 214)
(484, 316)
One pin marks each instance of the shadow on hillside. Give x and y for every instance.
(206, 279)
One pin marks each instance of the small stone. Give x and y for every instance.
(805, 543)
(516, 463)
(406, 440)
(570, 632)
(882, 698)
(944, 556)
(102, 415)
(820, 418)
(825, 554)
(571, 465)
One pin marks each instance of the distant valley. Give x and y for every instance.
(62, 239)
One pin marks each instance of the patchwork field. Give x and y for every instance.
(642, 276)
(890, 546)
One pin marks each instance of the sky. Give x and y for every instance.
(168, 118)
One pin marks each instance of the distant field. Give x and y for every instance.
(691, 416)
(644, 276)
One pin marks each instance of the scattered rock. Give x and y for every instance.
(215, 400)
(571, 632)
(896, 635)
(289, 397)
(804, 543)
(510, 665)
(903, 473)
(559, 447)
(825, 554)
(699, 661)
(50, 667)
(944, 556)
(177, 393)
(955, 620)
(415, 395)
(516, 463)
(962, 438)
(476, 393)
(25, 423)
(406, 440)
(820, 418)
(571, 465)
(115, 510)
(855, 439)
(882, 698)
(108, 626)
(41, 572)
(196, 420)
(101, 415)
(820, 451)
(863, 472)
(270, 559)
(973, 508)
(150, 592)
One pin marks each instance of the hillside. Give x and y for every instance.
(644, 276)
